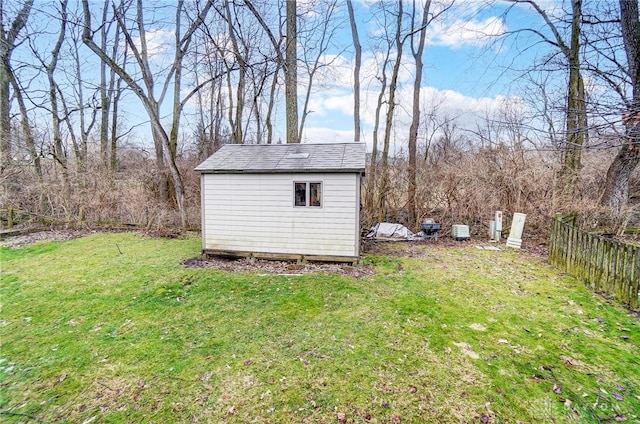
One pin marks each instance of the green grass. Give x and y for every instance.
(111, 328)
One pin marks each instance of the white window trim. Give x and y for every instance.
(308, 194)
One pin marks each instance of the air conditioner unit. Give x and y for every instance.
(460, 232)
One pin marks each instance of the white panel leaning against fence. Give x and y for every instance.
(517, 227)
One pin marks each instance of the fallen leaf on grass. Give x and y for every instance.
(484, 418)
(619, 418)
(617, 396)
(557, 389)
(413, 389)
(61, 378)
(395, 419)
(342, 417)
(571, 361)
(620, 387)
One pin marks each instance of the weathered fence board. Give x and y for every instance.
(608, 266)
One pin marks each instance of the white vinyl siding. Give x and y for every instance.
(256, 213)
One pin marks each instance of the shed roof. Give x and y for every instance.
(285, 158)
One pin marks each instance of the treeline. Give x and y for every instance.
(78, 79)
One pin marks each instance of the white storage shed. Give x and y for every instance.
(283, 201)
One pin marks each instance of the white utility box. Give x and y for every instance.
(460, 232)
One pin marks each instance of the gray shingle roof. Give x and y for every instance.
(285, 158)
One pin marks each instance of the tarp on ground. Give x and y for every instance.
(391, 230)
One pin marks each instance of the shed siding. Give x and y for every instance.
(255, 212)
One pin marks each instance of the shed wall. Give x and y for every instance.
(256, 213)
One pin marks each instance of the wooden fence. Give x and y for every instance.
(610, 267)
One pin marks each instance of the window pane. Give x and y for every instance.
(300, 194)
(315, 194)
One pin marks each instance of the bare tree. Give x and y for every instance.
(241, 62)
(372, 174)
(416, 52)
(291, 73)
(575, 113)
(314, 49)
(59, 152)
(86, 107)
(391, 104)
(8, 40)
(166, 143)
(356, 71)
(616, 189)
(105, 101)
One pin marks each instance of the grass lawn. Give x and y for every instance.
(111, 328)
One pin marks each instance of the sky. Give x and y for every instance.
(465, 70)
(464, 77)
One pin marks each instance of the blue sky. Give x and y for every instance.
(465, 72)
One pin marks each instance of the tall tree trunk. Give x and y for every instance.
(272, 101)
(115, 102)
(575, 114)
(372, 176)
(356, 72)
(415, 111)
(616, 188)
(393, 85)
(59, 152)
(576, 109)
(235, 119)
(115, 93)
(104, 94)
(291, 74)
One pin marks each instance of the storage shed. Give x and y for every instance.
(283, 201)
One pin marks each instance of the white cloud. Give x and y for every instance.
(159, 42)
(326, 135)
(337, 112)
(460, 33)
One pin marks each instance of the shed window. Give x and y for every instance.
(307, 194)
